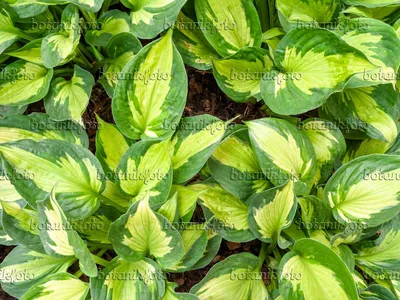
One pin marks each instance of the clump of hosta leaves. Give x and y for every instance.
(319, 192)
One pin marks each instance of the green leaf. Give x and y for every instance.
(12, 110)
(364, 147)
(328, 143)
(61, 286)
(371, 3)
(237, 277)
(116, 198)
(170, 293)
(111, 145)
(110, 23)
(35, 168)
(320, 11)
(283, 152)
(22, 82)
(30, 52)
(365, 190)
(226, 213)
(149, 18)
(196, 51)
(377, 292)
(234, 166)
(59, 238)
(20, 224)
(154, 93)
(373, 110)
(311, 65)
(141, 232)
(381, 256)
(272, 211)
(39, 126)
(170, 209)
(5, 239)
(187, 199)
(124, 280)
(121, 49)
(212, 249)
(146, 167)
(313, 271)
(229, 26)
(239, 75)
(193, 143)
(68, 99)
(59, 47)
(23, 268)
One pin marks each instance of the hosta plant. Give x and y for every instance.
(311, 189)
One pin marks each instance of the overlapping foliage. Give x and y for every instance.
(320, 191)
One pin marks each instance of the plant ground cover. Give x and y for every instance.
(199, 149)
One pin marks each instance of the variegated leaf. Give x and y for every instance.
(272, 211)
(377, 292)
(68, 99)
(149, 18)
(120, 49)
(195, 241)
(61, 286)
(328, 143)
(229, 26)
(111, 145)
(59, 238)
(212, 249)
(8, 193)
(187, 200)
(23, 268)
(381, 256)
(235, 167)
(5, 239)
(9, 34)
(59, 47)
(20, 223)
(39, 126)
(371, 3)
(170, 209)
(142, 232)
(239, 75)
(30, 52)
(22, 82)
(374, 110)
(377, 40)
(364, 147)
(110, 23)
(226, 213)
(283, 152)
(95, 228)
(193, 143)
(196, 51)
(386, 14)
(303, 11)
(125, 280)
(154, 93)
(38, 166)
(237, 277)
(313, 271)
(312, 64)
(365, 191)
(88, 5)
(146, 168)
(115, 197)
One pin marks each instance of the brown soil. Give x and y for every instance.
(204, 97)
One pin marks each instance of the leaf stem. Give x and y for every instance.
(90, 18)
(262, 256)
(271, 11)
(64, 71)
(263, 13)
(78, 274)
(100, 261)
(26, 36)
(106, 6)
(85, 51)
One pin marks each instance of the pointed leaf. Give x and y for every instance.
(154, 93)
